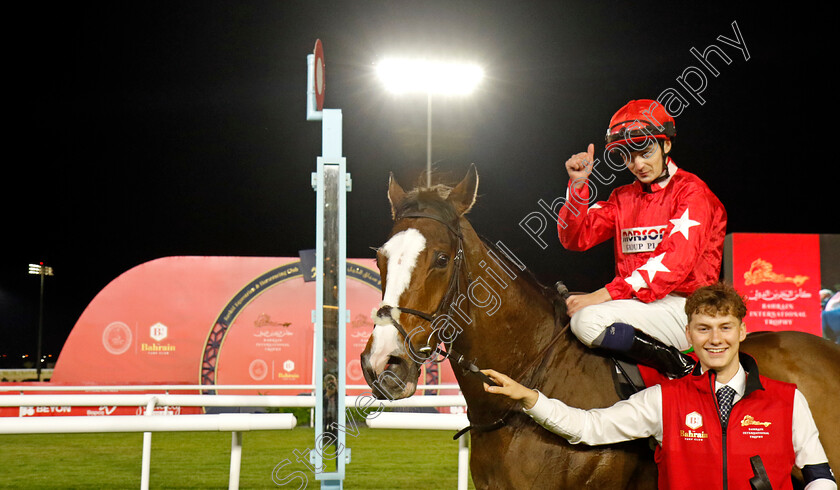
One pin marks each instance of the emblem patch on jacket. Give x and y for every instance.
(754, 428)
(641, 239)
(693, 421)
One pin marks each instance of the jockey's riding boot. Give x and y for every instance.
(667, 359)
(646, 350)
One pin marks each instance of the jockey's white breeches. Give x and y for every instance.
(663, 319)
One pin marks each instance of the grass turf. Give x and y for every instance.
(380, 459)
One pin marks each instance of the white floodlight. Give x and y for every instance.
(400, 75)
(426, 76)
(40, 269)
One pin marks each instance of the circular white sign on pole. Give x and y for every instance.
(319, 75)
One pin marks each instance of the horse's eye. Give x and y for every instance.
(441, 260)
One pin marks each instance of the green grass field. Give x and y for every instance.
(380, 459)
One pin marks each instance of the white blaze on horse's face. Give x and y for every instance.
(401, 251)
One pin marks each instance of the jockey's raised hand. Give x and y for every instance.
(579, 166)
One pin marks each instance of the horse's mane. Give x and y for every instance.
(552, 294)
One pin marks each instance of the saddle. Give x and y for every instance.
(628, 376)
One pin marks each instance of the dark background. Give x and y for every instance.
(138, 130)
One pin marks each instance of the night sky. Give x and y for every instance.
(151, 129)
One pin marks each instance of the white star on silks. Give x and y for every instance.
(654, 265)
(682, 224)
(636, 281)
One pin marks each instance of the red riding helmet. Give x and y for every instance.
(638, 120)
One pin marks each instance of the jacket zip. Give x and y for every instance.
(725, 483)
(722, 427)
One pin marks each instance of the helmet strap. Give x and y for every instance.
(665, 172)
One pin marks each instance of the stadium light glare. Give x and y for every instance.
(402, 75)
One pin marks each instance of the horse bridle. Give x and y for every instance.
(449, 297)
(452, 290)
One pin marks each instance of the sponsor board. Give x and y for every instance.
(781, 287)
(215, 321)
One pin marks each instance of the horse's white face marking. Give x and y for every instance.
(401, 251)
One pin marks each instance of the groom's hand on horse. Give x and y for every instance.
(577, 302)
(510, 388)
(579, 166)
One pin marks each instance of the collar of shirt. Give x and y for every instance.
(659, 185)
(737, 383)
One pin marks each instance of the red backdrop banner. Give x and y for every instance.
(212, 321)
(780, 276)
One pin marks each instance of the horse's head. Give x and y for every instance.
(421, 266)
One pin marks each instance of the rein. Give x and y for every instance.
(541, 358)
(453, 289)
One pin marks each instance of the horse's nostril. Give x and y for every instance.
(393, 361)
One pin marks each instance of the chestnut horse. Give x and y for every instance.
(443, 284)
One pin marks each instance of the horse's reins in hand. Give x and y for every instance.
(540, 357)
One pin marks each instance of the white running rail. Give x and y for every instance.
(236, 423)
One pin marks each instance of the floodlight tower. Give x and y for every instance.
(43, 271)
(432, 78)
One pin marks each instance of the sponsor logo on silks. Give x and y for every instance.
(641, 239)
(693, 421)
(749, 420)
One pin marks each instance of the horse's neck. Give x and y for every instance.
(522, 337)
(512, 322)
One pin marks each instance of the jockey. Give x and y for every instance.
(668, 229)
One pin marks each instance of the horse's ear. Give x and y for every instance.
(464, 194)
(395, 195)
